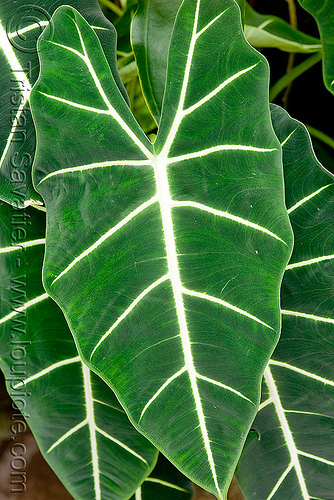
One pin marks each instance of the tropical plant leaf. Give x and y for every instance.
(166, 261)
(80, 427)
(323, 12)
(294, 457)
(271, 31)
(153, 21)
(19, 70)
(164, 483)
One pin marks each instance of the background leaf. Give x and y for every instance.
(294, 456)
(323, 12)
(271, 31)
(128, 70)
(175, 261)
(150, 36)
(19, 70)
(164, 483)
(79, 425)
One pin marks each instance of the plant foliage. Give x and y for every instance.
(165, 252)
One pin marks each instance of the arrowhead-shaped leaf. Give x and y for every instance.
(167, 258)
(79, 425)
(20, 26)
(294, 457)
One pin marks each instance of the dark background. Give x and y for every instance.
(308, 100)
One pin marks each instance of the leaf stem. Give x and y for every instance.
(318, 134)
(108, 3)
(283, 82)
(292, 13)
(291, 58)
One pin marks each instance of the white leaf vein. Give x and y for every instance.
(280, 481)
(223, 386)
(225, 304)
(25, 306)
(288, 437)
(301, 372)
(110, 109)
(92, 166)
(216, 90)
(20, 246)
(107, 235)
(307, 198)
(309, 262)
(216, 149)
(67, 434)
(313, 317)
(49, 369)
(122, 445)
(90, 418)
(21, 79)
(316, 458)
(227, 215)
(207, 26)
(265, 404)
(165, 483)
(26, 29)
(129, 309)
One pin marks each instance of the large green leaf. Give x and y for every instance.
(271, 31)
(80, 427)
(165, 483)
(20, 25)
(323, 12)
(294, 458)
(167, 258)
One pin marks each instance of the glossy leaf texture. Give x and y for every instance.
(164, 483)
(271, 31)
(165, 259)
(154, 21)
(81, 429)
(20, 26)
(294, 457)
(323, 12)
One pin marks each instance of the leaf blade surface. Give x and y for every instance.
(88, 440)
(295, 453)
(20, 26)
(165, 320)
